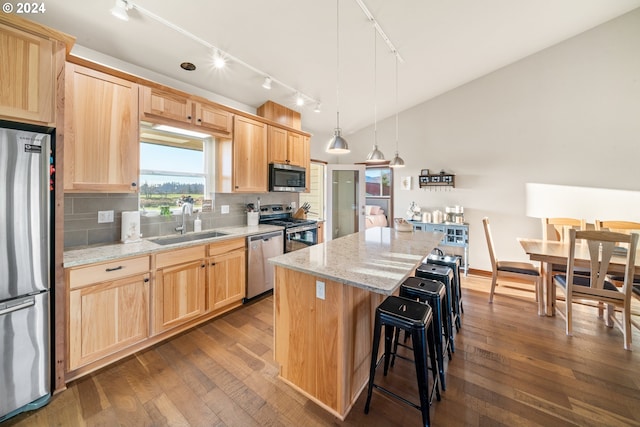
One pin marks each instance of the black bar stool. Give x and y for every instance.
(442, 274)
(397, 312)
(434, 294)
(453, 262)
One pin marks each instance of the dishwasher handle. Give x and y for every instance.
(265, 236)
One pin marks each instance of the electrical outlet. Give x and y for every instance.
(224, 209)
(319, 289)
(105, 216)
(293, 205)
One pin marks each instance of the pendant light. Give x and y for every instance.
(337, 144)
(375, 156)
(397, 161)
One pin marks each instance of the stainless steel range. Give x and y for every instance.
(298, 233)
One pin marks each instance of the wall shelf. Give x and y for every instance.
(442, 179)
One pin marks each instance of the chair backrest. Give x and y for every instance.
(487, 233)
(557, 229)
(601, 245)
(625, 227)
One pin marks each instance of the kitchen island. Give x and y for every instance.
(325, 300)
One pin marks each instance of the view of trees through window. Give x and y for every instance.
(170, 176)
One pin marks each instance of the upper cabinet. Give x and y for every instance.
(101, 132)
(287, 147)
(242, 162)
(31, 57)
(161, 106)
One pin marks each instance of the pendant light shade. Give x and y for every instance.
(375, 156)
(397, 161)
(337, 144)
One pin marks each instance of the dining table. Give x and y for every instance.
(550, 253)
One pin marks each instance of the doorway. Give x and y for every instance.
(345, 200)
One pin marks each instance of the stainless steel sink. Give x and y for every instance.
(187, 237)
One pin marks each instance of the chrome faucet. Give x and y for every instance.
(187, 208)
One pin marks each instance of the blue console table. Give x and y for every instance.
(455, 235)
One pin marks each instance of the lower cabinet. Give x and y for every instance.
(124, 305)
(107, 317)
(179, 288)
(226, 274)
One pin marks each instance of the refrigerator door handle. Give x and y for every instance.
(24, 304)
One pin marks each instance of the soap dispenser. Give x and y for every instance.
(197, 224)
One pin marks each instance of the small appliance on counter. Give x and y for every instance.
(130, 231)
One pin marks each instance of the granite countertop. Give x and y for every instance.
(378, 259)
(92, 254)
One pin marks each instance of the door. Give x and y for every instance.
(345, 200)
(24, 213)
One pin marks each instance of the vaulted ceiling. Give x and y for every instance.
(443, 44)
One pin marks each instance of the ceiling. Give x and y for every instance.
(443, 44)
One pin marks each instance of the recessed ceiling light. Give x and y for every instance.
(187, 66)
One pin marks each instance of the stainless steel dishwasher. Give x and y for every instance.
(259, 272)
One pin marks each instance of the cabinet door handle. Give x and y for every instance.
(199, 120)
(108, 270)
(203, 265)
(188, 117)
(133, 184)
(213, 263)
(146, 279)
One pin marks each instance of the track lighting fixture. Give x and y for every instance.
(219, 57)
(299, 100)
(317, 108)
(120, 10)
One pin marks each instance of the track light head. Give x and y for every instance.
(299, 100)
(120, 10)
(218, 60)
(267, 83)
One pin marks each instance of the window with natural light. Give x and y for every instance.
(170, 176)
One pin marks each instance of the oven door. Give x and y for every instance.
(300, 237)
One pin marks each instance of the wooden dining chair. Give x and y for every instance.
(512, 270)
(557, 229)
(598, 285)
(623, 227)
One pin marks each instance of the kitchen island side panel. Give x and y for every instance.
(323, 346)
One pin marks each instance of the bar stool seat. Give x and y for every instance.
(412, 316)
(433, 293)
(453, 262)
(442, 274)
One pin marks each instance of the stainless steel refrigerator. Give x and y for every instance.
(25, 221)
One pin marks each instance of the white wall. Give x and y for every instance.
(569, 115)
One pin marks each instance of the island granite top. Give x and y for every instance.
(378, 259)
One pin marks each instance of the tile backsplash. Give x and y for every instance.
(81, 227)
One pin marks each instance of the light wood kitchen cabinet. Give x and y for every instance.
(242, 161)
(101, 132)
(161, 107)
(226, 274)
(155, 103)
(288, 147)
(28, 77)
(210, 117)
(179, 287)
(108, 309)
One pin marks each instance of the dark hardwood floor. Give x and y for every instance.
(511, 368)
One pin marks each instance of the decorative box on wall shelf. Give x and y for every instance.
(441, 179)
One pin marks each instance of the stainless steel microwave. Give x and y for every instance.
(287, 178)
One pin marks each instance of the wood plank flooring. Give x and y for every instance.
(511, 368)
